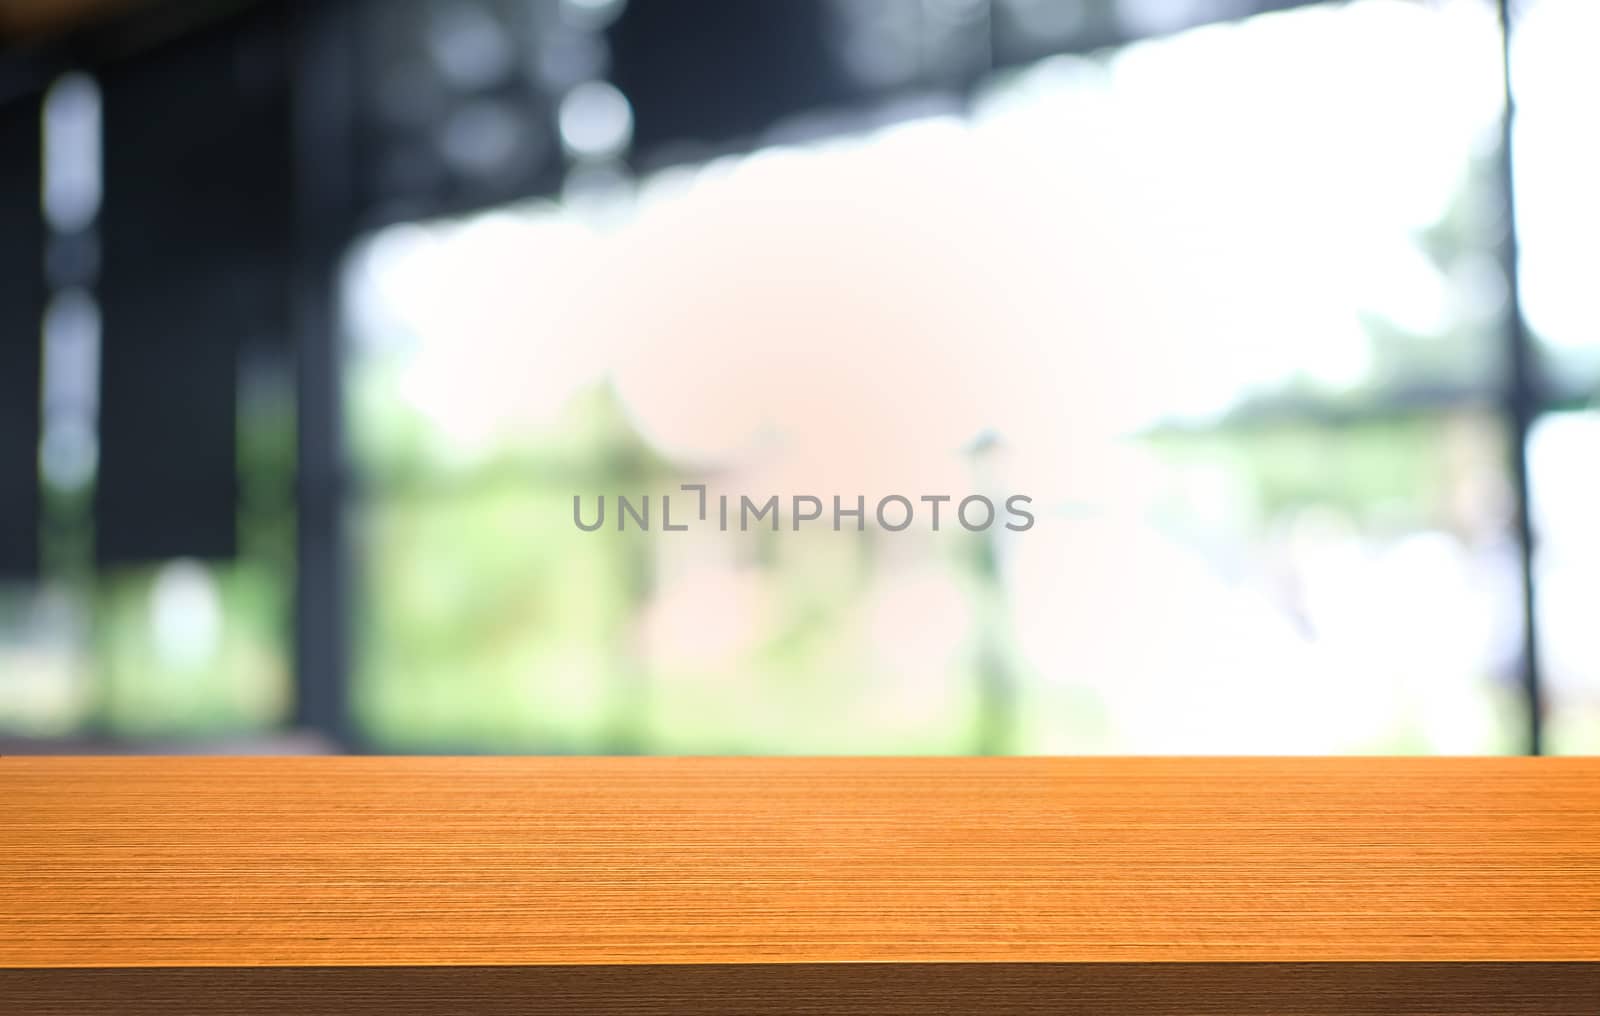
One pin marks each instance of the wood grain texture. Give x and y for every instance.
(416, 861)
(675, 873)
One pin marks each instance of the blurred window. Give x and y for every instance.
(1227, 310)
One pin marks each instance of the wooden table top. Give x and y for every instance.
(200, 862)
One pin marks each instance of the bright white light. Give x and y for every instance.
(1563, 450)
(1557, 163)
(596, 121)
(185, 613)
(72, 153)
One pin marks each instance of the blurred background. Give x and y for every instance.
(315, 316)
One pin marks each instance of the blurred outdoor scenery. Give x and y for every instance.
(1229, 302)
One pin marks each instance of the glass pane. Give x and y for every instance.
(44, 686)
(478, 636)
(1286, 588)
(190, 649)
(187, 649)
(1563, 452)
(1141, 289)
(1555, 79)
(179, 650)
(173, 651)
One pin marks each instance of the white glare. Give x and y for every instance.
(185, 613)
(72, 153)
(596, 121)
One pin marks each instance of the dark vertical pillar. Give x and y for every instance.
(21, 309)
(323, 44)
(1522, 399)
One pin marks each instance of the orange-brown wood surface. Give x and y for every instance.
(330, 862)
